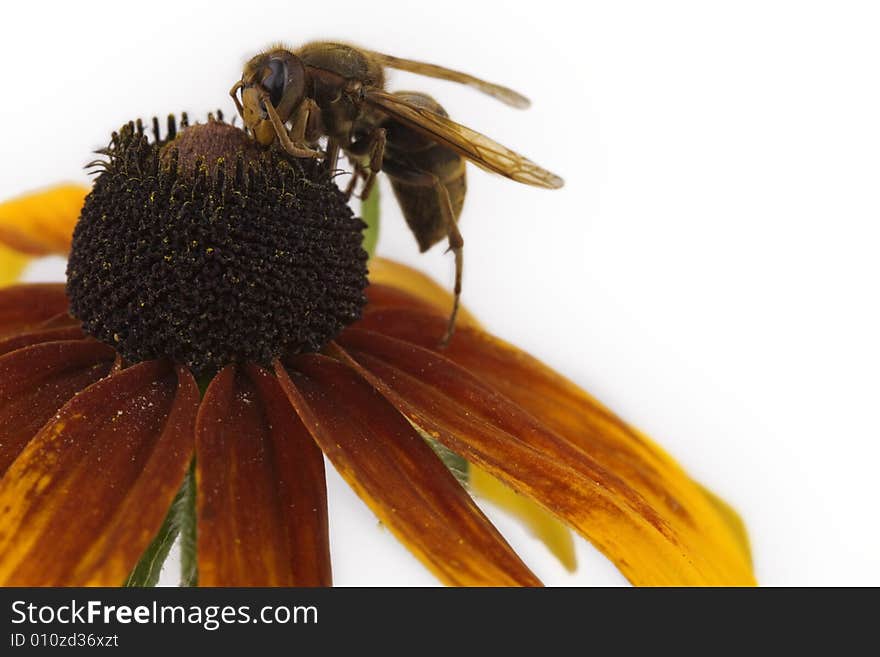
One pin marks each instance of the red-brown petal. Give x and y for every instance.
(579, 419)
(397, 287)
(61, 320)
(36, 381)
(12, 264)
(488, 429)
(37, 336)
(262, 501)
(558, 403)
(398, 475)
(27, 305)
(83, 501)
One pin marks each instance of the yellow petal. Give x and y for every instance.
(12, 264)
(733, 520)
(544, 526)
(42, 222)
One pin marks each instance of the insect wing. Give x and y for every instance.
(505, 95)
(479, 149)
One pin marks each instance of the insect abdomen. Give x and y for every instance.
(422, 210)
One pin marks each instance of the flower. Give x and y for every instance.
(172, 287)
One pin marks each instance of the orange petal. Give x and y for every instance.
(28, 305)
(38, 380)
(399, 477)
(386, 296)
(262, 500)
(42, 222)
(544, 526)
(581, 420)
(86, 497)
(646, 543)
(394, 284)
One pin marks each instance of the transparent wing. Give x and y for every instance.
(479, 149)
(505, 95)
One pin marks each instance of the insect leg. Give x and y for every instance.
(356, 175)
(377, 154)
(305, 116)
(420, 178)
(234, 93)
(370, 148)
(332, 154)
(456, 245)
(284, 138)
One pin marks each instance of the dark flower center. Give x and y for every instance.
(206, 249)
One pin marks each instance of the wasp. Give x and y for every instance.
(334, 91)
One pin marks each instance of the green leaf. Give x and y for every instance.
(180, 521)
(370, 215)
(148, 568)
(457, 465)
(186, 518)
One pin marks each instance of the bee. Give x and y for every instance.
(336, 91)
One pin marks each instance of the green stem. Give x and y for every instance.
(370, 215)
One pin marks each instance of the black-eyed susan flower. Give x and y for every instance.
(218, 313)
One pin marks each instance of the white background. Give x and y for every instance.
(710, 269)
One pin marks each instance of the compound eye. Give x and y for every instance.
(276, 80)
